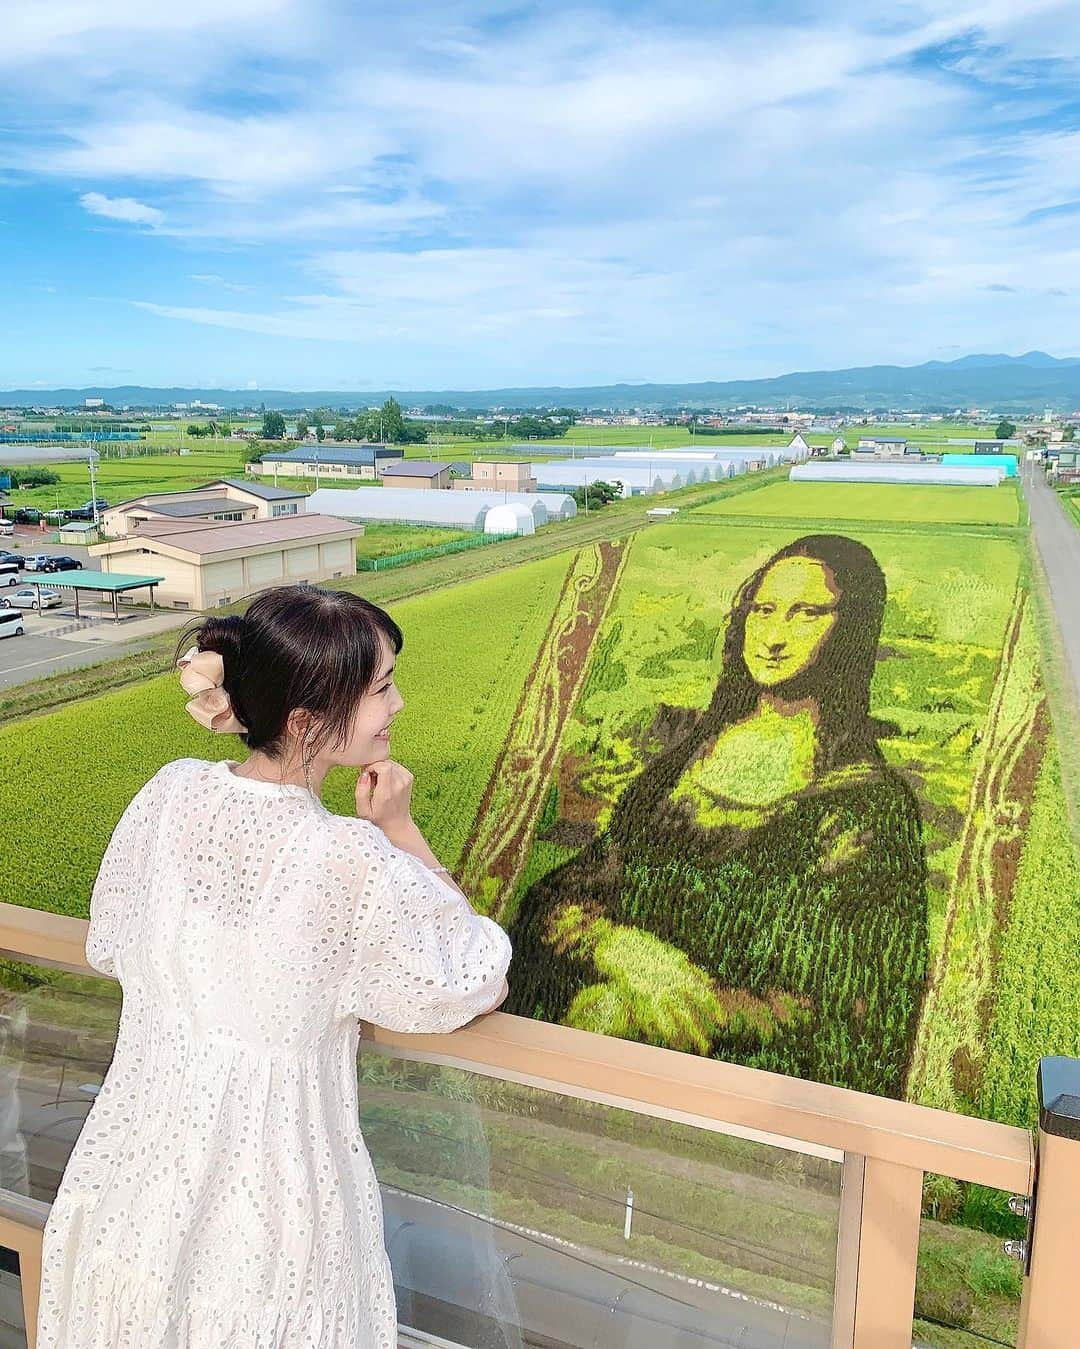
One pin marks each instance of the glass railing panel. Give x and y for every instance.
(516, 1216)
(12, 1321)
(57, 1036)
(967, 1290)
(513, 1216)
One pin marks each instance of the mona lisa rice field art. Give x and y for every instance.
(783, 823)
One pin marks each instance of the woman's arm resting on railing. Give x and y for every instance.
(422, 960)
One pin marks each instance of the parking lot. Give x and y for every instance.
(56, 640)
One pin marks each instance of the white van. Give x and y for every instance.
(12, 623)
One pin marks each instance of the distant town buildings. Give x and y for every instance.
(884, 447)
(487, 477)
(328, 460)
(420, 473)
(224, 500)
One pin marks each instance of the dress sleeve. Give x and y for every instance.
(422, 960)
(122, 876)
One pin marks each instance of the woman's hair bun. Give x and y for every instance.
(223, 634)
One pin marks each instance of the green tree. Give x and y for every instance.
(596, 495)
(1005, 430)
(32, 477)
(391, 422)
(273, 426)
(319, 419)
(1069, 433)
(302, 426)
(194, 429)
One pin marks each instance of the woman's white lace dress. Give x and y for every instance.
(220, 1195)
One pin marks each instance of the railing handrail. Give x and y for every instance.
(653, 1080)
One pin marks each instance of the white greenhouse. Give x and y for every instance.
(794, 452)
(732, 456)
(510, 517)
(706, 467)
(635, 479)
(690, 470)
(401, 505)
(927, 475)
(423, 506)
(687, 471)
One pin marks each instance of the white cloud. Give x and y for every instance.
(673, 190)
(121, 208)
(219, 282)
(36, 31)
(238, 155)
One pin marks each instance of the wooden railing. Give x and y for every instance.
(887, 1147)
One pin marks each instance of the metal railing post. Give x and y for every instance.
(1050, 1316)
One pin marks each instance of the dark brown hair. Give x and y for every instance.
(297, 647)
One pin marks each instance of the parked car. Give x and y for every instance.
(86, 510)
(27, 515)
(34, 560)
(6, 555)
(9, 573)
(26, 597)
(60, 562)
(12, 623)
(7, 528)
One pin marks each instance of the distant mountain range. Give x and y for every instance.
(1000, 383)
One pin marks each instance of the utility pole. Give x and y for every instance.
(93, 485)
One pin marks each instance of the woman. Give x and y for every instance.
(220, 1192)
(760, 892)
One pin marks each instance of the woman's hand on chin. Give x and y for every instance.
(384, 796)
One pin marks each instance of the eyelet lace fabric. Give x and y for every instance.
(220, 1195)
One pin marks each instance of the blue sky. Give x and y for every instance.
(321, 194)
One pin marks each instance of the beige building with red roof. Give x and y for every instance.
(207, 563)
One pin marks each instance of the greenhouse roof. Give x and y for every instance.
(410, 505)
(927, 475)
(1005, 461)
(421, 505)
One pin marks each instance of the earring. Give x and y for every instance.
(305, 759)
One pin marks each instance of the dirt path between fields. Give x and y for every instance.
(497, 847)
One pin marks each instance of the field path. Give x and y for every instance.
(1058, 541)
(947, 1063)
(497, 846)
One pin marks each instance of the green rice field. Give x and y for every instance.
(868, 502)
(379, 540)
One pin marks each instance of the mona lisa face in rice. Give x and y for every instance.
(790, 618)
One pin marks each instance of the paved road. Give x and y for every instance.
(1058, 541)
(56, 640)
